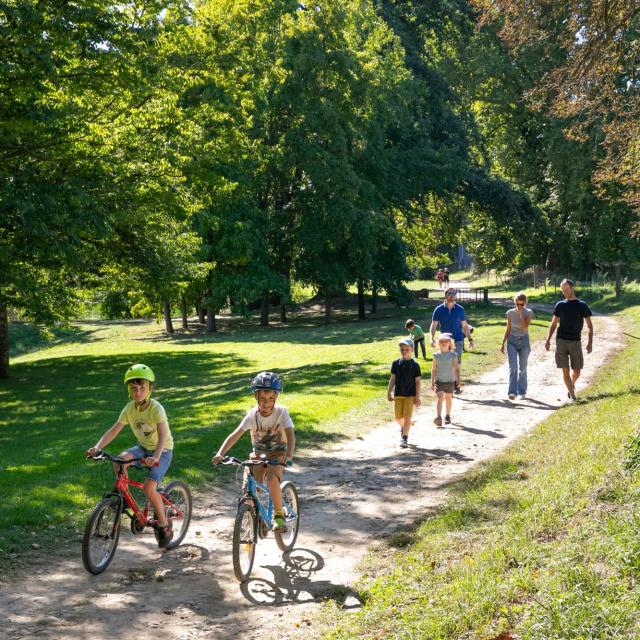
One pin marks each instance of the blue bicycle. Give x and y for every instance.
(254, 518)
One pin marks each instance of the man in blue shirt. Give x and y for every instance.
(450, 317)
(572, 314)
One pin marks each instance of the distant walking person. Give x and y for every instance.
(440, 277)
(446, 277)
(450, 317)
(516, 337)
(571, 313)
(417, 335)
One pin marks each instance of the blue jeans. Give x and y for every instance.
(518, 350)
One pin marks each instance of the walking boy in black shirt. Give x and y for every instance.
(404, 388)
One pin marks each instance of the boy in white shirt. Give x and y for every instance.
(272, 435)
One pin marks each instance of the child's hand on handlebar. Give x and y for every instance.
(217, 459)
(91, 453)
(151, 461)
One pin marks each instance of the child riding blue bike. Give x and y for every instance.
(272, 436)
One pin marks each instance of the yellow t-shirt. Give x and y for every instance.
(144, 424)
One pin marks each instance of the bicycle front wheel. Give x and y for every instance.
(244, 541)
(180, 514)
(291, 512)
(101, 535)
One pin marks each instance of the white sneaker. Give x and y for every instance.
(523, 396)
(512, 396)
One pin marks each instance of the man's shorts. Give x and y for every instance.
(403, 406)
(444, 387)
(569, 354)
(459, 349)
(155, 473)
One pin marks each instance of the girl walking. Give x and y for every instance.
(516, 337)
(444, 373)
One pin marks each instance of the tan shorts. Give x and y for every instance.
(403, 406)
(569, 354)
(259, 472)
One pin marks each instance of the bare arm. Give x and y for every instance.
(467, 331)
(163, 430)
(434, 367)
(390, 386)
(106, 438)
(291, 443)
(507, 331)
(229, 441)
(417, 400)
(552, 328)
(432, 331)
(590, 342)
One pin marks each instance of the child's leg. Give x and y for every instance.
(150, 489)
(439, 396)
(273, 482)
(448, 398)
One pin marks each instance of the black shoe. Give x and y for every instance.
(164, 535)
(457, 389)
(447, 419)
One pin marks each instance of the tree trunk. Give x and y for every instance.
(618, 280)
(327, 308)
(361, 312)
(168, 323)
(200, 308)
(264, 311)
(4, 342)
(183, 311)
(283, 313)
(211, 320)
(374, 300)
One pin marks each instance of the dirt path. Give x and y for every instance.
(349, 496)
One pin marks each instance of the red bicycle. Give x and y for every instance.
(102, 530)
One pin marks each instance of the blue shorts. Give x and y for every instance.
(155, 473)
(459, 349)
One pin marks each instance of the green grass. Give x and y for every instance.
(541, 542)
(61, 398)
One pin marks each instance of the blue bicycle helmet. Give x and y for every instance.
(268, 381)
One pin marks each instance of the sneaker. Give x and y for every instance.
(447, 419)
(512, 396)
(437, 421)
(403, 442)
(164, 535)
(279, 524)
(523, 396)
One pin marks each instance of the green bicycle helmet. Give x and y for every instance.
(140, 372)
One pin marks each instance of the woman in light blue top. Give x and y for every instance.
(516, 337)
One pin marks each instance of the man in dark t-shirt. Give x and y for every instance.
(572, 314)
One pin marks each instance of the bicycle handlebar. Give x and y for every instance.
(103, 455)
(247, 463)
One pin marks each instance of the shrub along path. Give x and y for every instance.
(351, 497)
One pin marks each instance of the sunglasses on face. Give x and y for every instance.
(519, 304)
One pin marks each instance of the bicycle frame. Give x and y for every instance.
(251, 491)
(121, 490)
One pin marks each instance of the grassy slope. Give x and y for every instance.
(61, 398)
(541, 542)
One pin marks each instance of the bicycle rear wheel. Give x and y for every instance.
(101, 535)
(291, 511)
(244, 541)
(178, 493)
